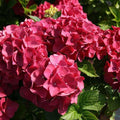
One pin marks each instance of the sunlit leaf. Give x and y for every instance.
(35, 18)
(87, 68)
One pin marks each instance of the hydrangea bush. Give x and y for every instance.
(57, 64)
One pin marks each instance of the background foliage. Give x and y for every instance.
(101, 12)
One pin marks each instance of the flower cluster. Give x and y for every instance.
(53, 85)
(24, 57)
(42, 56)
(72, 34)
(34, 53)
(112, 67)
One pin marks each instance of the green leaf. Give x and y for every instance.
(113, 103)
(89, 116)
(57, 15)
(35, 18)
(24, 2)
(104, 26)
(117, 5)
(33, 7)
(87, 68)
(115, 12)
(91, 100)
(27, 11)
(30, 9)
(72, 114)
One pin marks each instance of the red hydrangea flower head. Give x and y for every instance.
(40, 11)
(56, 84)
(112, 73)
(71, 8)
(112, 42)
(63, 76)
(63, 80)
(10, 58)
(27, 22)
(67, 8)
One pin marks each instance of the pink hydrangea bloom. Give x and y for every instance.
(40, 11)
(10, 45)
(112, 74)
(112, 42)
(58, 79)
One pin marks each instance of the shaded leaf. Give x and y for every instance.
(113, 103)
(57, 15)
(89, 116)
(52, 115)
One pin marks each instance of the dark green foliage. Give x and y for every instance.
(7, 15)
(100, 13)
(57, 14)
